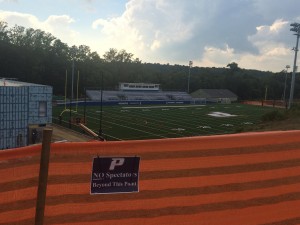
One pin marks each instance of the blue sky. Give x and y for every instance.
(212, 33)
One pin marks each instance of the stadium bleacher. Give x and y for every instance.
(95, 95)
(138, 92)
(174, 95)
(143, 92)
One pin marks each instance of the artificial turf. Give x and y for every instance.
(165, 121)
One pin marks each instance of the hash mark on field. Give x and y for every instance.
(178, 129)
(226, 125)
(247, 123)
(204, 127)
(220, 114)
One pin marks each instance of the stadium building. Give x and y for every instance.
(215, 95)
(25, 108)
(140, 93)
(148, 93)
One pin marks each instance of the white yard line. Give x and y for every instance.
(166, 129)
(158, 107)
(142, 131)
(113, 137)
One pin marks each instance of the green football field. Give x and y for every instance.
(165, 121)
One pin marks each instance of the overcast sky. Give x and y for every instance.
(253, 33)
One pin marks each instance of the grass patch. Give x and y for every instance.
(275, 115)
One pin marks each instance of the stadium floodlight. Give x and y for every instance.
(190, 66)
(100, 135)
(286, 72)
(295, 28)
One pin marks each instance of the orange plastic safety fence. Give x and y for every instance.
(250, 178)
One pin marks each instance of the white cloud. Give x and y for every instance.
(98, 23)
(255, 33)
(273, 53)
(117, 33)
(58, 26)
(275, 32)
(176, 31)
(146, 26)
(20, 19)
(272, 44)
(217, 57)
(155, 45)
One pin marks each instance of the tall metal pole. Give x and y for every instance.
(70, 113)
(286, 72)
(72, 91)
(190, 65)
(296, 28)
(266, 93)
(101, 112)
(84, 109)
(72, 94)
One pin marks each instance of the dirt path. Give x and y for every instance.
(62, 134)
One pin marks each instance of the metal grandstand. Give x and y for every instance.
(138, 92)
(95, 95)
(148, 93)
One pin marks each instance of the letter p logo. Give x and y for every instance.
(116, 162)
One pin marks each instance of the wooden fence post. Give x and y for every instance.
(43, 177)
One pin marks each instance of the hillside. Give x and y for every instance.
(279, 121)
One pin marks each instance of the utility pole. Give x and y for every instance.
(72, 88)
(295, 28)
(266, 93)
(286, 72)
(101, 109)
(190, 66)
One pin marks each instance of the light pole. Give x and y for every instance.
(101, 110)
(190, 66)
(72, 92)
(286, 72)
(295, 28)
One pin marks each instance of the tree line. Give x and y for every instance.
(33, 55)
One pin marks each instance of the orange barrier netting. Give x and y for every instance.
(249, 178)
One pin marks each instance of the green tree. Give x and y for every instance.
(16, 35)
(3, 31)
(233, 66)
(113, 55)
(110, 55)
